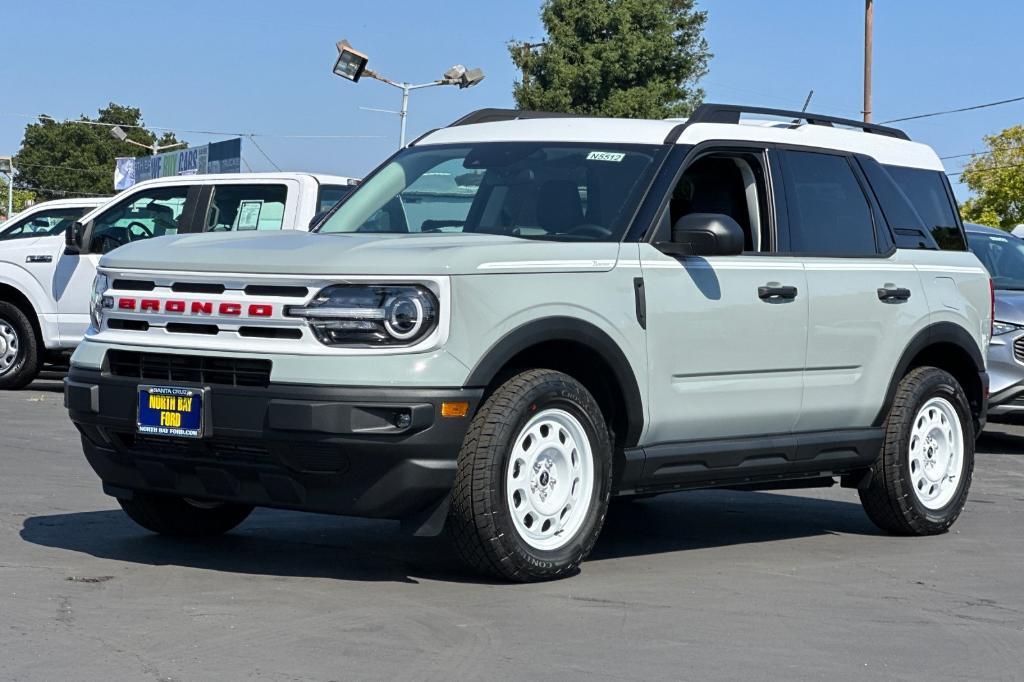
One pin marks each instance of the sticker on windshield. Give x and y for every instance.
(605, 156)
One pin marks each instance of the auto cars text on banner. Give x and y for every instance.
(216, 157)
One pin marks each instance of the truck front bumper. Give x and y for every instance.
(374, 452)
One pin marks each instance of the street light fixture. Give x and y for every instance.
(118, 133)
(351, 65)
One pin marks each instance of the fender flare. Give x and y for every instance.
(572, 330)
(938, 332)
(20, 280)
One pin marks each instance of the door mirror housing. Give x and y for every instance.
(73, 237)
(705, 234)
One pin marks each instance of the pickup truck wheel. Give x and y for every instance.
(183, 517)
(533, 482)
(923, 473)
(19, 349)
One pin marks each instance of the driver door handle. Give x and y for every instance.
(775, 292)
(893, 294)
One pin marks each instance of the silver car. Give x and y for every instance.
(1003, 255)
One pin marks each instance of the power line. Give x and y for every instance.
(265, 155)
(986, 152)
(955, 111)
(69, 168)
(987, 170)
(196, 132)
(63, 192)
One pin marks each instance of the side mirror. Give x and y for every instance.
(73, 237)
(705, 234)
(316, 219)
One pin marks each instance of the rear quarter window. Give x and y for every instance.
(927, 192)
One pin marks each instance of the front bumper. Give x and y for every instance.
(312, 448)
(1006, 373)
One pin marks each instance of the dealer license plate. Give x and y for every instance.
(171, 411)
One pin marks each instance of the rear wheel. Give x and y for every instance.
(534, 477)
(181, 516)
(923, 473)
(19, 348)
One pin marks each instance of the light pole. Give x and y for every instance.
(351, 65)
(869, 29)
(118, 133)
(7, 168)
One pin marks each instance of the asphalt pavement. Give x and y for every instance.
(701, 585)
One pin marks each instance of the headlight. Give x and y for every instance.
(999, 328)
(371, 314)
(97, 301)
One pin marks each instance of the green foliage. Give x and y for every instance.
(997, 180)
(60, 159)
(625, 58)
(21, 197)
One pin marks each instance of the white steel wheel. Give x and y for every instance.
(9, 346)
(549, 483)
(936, 453)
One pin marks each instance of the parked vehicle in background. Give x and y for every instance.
(1002, 254)
(522, 315)
(46, 280)
(48, 218)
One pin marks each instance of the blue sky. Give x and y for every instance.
(264, 67)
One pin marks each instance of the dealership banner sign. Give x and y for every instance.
(216, 157)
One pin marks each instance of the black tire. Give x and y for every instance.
(889, 500)
(180, 517)
(480, 521)
(25, 367)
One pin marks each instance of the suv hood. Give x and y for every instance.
(1010, 306)
(304, 253)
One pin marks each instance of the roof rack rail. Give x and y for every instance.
(492, 115)
(730, 113)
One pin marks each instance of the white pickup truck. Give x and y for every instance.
(46, 275)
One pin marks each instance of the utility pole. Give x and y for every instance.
(869, 20)
(525, 49)
(7, 168)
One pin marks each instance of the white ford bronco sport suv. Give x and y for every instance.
(46, 280)
(522, 315)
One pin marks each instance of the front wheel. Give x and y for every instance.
(923, 473)
(533, 481)
(182, 516)
(19, 348)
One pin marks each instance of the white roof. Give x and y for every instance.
(212, 178)
(67, 203)
(885, 149)
(82, 202)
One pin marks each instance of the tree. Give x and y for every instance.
(997, 179)
(21, 198)
(626, 58)
(73, 158)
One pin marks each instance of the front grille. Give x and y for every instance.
(188, 368)
(236, 450)
(310, 458)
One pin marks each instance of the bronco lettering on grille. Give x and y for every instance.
(181, 307)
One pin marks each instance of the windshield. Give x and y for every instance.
(533, 190)
(1003, 257)
(41, 223)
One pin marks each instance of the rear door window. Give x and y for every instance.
(927, 192)
(246, 208)
(42, 223)
(329, 195)
(828, 211)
